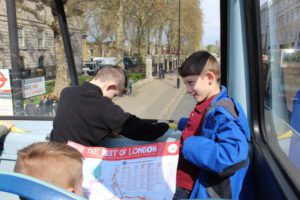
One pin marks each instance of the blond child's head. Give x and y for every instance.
(201, 75)
(112, 80)
(54, 163)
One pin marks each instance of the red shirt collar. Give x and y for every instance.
(202, 106)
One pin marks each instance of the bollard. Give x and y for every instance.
(178, 82)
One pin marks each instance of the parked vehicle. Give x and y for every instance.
(104, 61)
(92, 67)
(89, 68)
(130, 62)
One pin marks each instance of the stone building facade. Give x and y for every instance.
(36, 42)
(283, 19)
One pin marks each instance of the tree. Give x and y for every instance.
(73, 10)
(191, 27)
(142, 18)
(214, 48)
(108, 24)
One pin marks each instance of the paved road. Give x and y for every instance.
(159, 99)
(154, 99)
(184, 107)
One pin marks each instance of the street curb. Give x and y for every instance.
(166, 114)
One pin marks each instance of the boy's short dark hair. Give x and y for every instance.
(198, 63)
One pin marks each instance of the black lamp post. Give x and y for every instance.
(178, 50)
(17, 95)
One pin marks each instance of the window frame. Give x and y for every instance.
(1, 41)
(41, 32)
(266, 147)
(41, 64)
(22, 62)
(21, 40)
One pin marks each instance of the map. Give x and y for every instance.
(144, 172)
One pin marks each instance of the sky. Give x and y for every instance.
(211, 21)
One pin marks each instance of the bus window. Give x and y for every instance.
(104, 33)
(141, 37)
(281, 66)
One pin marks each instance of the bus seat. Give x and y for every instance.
(32, 188)
(294, 149)
(296, 112)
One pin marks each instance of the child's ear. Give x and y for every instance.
(76, 190)
(71, 189)
(210, 76)
(111, 87)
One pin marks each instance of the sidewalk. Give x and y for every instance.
(153, 99)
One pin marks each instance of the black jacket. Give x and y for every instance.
(85, 116)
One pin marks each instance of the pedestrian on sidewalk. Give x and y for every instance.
(87, 115)
(213, 160)
(130, 87)
(161, 73)
(42, 105)
(30, 108)
(54, 100)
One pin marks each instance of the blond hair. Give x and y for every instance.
(112, 73)
(52, 162)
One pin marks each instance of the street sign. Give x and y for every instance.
(33, 86)
(6, 103)
(3, 79)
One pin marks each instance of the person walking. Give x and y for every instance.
(30, 108)
(130, 86)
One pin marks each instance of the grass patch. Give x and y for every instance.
(136, 76)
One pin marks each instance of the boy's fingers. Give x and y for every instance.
(173, 125)
(18, 130)
(7, 124)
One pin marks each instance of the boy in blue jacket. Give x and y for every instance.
(214, 158)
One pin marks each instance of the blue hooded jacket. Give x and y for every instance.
(221, 152)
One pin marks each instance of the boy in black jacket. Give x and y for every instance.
(87, 115)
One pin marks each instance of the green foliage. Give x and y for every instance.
(136, 76)
(291, 57)
(81, 79)
(36, 100)
(49, 86)
(213, 49)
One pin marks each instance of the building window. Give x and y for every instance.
(40, 38)
(22, 62)
(41, 62)
(21, 36)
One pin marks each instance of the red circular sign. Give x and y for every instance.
(2, 80)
